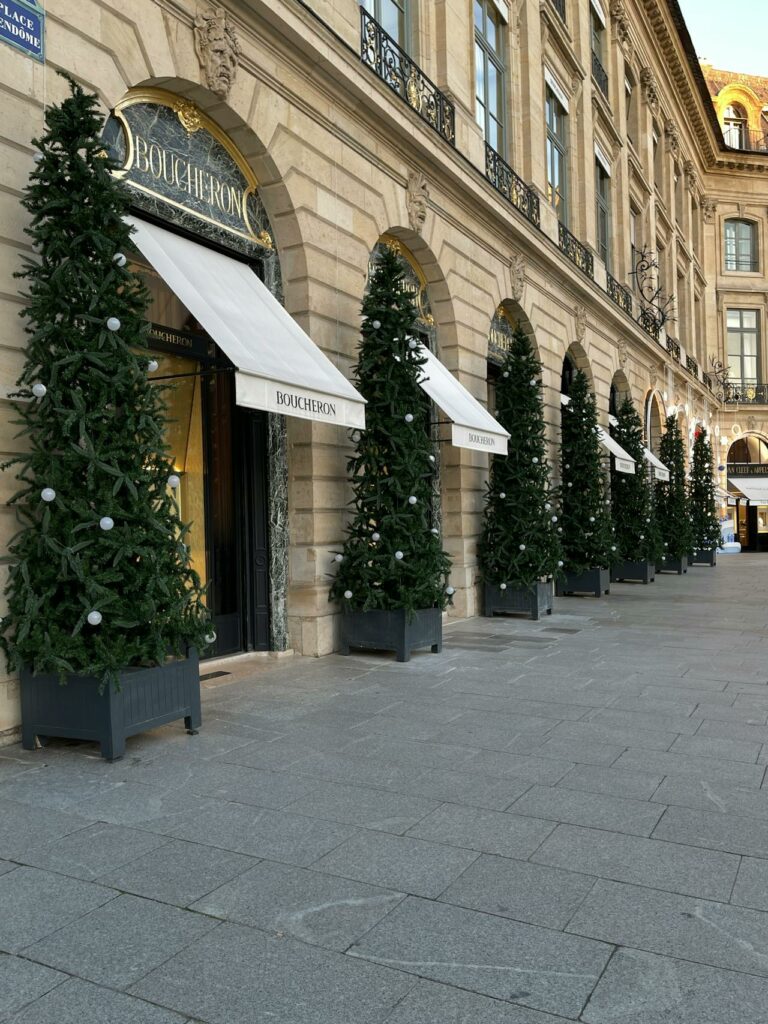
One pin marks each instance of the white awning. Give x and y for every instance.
(472, 426)
(279, 367)
(623, 460)
(660, 471)
(755, 488)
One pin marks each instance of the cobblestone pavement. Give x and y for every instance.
(551, 821)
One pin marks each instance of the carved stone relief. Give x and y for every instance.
(416, 199)
(517, 276)
(580, 315)
(218, 50)
(650, 88)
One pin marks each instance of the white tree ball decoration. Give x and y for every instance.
(152, 365)
(613, 547)
(409, 417)
(119, 259)
(535, 459)
(642, 536)
(522, 547)
(338, 558)
(534, 382)
(174, 481)
(412, 344)
(554, 519)
(348, 594)
(375, 536)
(48, 494)
(94, 618)
(560, 565)
(397, 359)
(37, 156)
(570, 484)
(106, 523)
(113, 324)
(591, 519)
(559, 529)
(502, 586)
(450, 591)
(412, 500)
(211, 637)
(506, 373)
(434, 530)
(431, 458)
(502, 494)
(376, 325)
(39, 390)
(547, 506)
(399, 555)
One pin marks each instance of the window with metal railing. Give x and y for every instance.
(512, 186)
(740, 245)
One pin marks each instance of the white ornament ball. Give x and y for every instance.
(554, 519)
(338, 558)
(431, 458)
(506, 373)
(522, 547)
(106, 523)
(502, 586)
(412, 344)
(567, 465)
(547, 506)
(37, 156)
(559, 529)
(119, 259)
(398, 555)
(450, 591)
(152, 365)
(535, 459)
(48, 494)
(409, 417)
(376, 324)
(348, 594)
(502, 494)
(412, 500)
(560, 565)
(211, 637)
(173, 481)
(434, 530)
(39, 390)
(591, 519)
(534, 382)
(642, 536)
(113, 324)
(397, 359)
(94, 618)
(613, 547)
(570, 484)
(375, 536)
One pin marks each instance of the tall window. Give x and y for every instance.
(630, 107)
(557, 155)
(658, 165)
(489, 74)
(603, 199)
(392, 15)
(735, 126)
(598, 68)
(743, 342)
(740, 245)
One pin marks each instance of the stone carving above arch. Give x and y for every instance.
(650, 88)
(517, 268)
(623, 353)
(217, 49)
(580, 315)
(691, 177)
(621, 27)
(416, 199)
(708, 210)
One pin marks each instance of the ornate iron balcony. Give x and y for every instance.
(512, 186)
(738, 136)
(746, 393)
(600, 75)
(692, 366)
(620, 295)
(385, 58)
(673, 347)
(649, 322)
(576, 252)
(559, 6)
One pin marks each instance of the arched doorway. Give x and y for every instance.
(507, 318)
(654, 421)
(747, 467)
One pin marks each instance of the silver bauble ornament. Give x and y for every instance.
(48, 494)
(113, 324)
(348, 594)
(174, 481)
(412, 500)
(152, 365)
(39, 390)
(119, 259)
(375, 536)
(399, 555)
(450, 591)
(338, 558)
(376, 325)
(94, 618)
(408, 417)
(106, 523)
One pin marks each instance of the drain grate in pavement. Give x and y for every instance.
(213, 675)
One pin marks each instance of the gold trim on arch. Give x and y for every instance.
(394, 243)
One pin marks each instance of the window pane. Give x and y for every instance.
(480, 116)
(734, 319)
(494, 134)
(749, 318)
(478, 16)
(493, 89)
(392, 20)
(480, 74)
(491, 31)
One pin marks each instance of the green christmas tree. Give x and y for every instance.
(100, 578)
(520, 543)
(704, 519)
(671, 495)
(392, 557)
(634, 517)
(587, 531)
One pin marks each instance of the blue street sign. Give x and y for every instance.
(22, 24)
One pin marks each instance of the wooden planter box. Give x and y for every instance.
(644, 572)
(705, 557)
(532, 601)
(147, 697)
(593, 581)
(678, 565)
(380, 630)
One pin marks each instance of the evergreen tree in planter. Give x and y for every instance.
(704, 519)
(587, 537)
(638, 541)
(672, 509)
(100, 590)
(392, 573)
(519, 550)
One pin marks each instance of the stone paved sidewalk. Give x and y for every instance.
(551, 821)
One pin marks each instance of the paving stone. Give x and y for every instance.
(231, 782)
(644, 721)
(136, 805)
(518, 889)
(490, 955)
(690, 929)
(356, 770)
(640, 861)
(178, 872)
(91, 851)
(714, 831)
(543, 770)
(429, 755)
(713, 796)
(21, 826)
(640, 988)
(734, 731)
(746, 715)
(360, 805)
(638, 817)
(293, 838)
(401, 863)
(649, 704)
(10, 768)
(472, 788)
(119, 943)
(717, 746)
(607, 733)
(5, 866)
(237, 974)
(580, 751)
(318, 908)
(22, 981)
(686, 691)
(710, 768)
(35, 903)
(751, 889)
(612, 781)
(430, 1003)
(476, 828)
(80, 1002)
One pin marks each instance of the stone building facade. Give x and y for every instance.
(554, 163)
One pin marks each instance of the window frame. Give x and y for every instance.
(557, 142)
(742, 380)
(374, 8)
(754, 247)
(485, 52)
(603, 213)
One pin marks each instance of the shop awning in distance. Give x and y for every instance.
(755, 488)
(472, 426)
(623, 461)
(278, 366)
(660, 471)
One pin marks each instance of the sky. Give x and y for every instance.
(732, 36)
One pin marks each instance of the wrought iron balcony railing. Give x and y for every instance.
(737, 136)
(380, 52)
(559, 6)
(620, 295)
(600, 75)
(692, 366)
(576, 252)
(649, 322)
(745, 392)
(673, 347)
(512, 186)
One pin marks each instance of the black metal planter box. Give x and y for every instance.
(380, 630)
(147, 697)
(702, 557)
(644, 572)
(678, 565)
(593, 581)
(532, 601)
